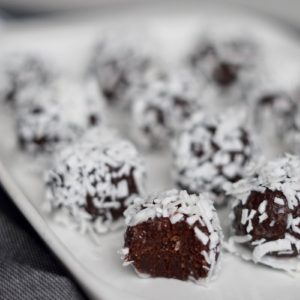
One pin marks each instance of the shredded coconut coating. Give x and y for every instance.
(196, 210)
(50, 117)
(291, 135)
(162, 102)
(272, 229)
(117, 62)
(229, 62)
(272, 102)
(92, 184)
(212, 152)
(19, 70)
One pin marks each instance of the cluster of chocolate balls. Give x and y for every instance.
(96, 180)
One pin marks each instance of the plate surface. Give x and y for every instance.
(97, 267)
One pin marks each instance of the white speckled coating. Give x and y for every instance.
(211, 152)
(59, 113)
(161, 103)
(101, 172)
(179, 206)
(19, 70)
(282, 174)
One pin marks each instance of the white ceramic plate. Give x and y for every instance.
(98, 268)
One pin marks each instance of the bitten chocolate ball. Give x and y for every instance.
(229, 62)
(211, 153)
(266, 209)
(90, 185)
(117, 62)
(53, 116)
(20, 70)
(173, 235)
(161, 104)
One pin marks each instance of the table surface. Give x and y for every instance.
(28, 269)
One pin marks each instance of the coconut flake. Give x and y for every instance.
(179, 206)
(280, 175)
(95, 171)
(211, 151)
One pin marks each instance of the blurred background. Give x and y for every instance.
(288, 10)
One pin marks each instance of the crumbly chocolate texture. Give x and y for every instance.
(118, 62)
(52, 116)
(162, 102)
(20, 70)
(173, 235)
(93, 183)
(211, 153)
(229, 63)
(266, 209)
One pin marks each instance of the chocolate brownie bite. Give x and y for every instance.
(162, 102)
(117, 62)
(19, 71)
(173, 235)
(53, 116)
(212, 152)
(90, 184)
(266, 210)
(229, 63)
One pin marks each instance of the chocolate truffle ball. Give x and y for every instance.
(50, 117)
(274, 108)
(229, 62)
(211, 153)
(162, 103)
(291, 135)
(173, 235)
(266, 209)
(91, 184)
(20, 70)
(117, 62)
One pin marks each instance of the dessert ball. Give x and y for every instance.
(162, 102)
(211, 153)
(291, 135)
(273, 108)
(173, 235)
(20, 70)
(58, 114)
(229, 62)
(90, 184)
(117, 62)
(266, 209)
